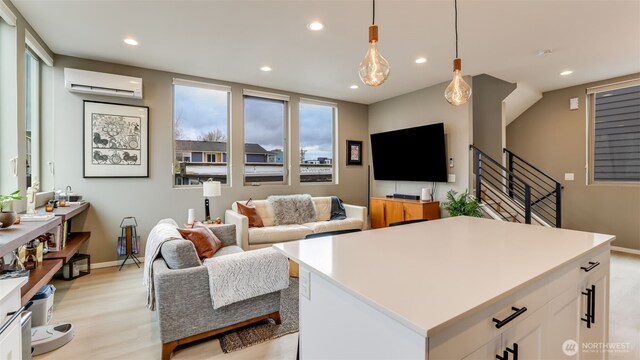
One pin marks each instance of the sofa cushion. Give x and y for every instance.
(274, 234)
(322, 226)
(227, 250)
(249, 210)
(323, 207)
(179, 254)
(205, 242)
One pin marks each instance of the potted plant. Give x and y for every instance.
(8, 217)
(462, 205)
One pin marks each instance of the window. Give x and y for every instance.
(264, 128)
(32, 115)
(316, 141)
(201, 119)
(615, 125)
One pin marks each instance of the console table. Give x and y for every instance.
(385, 211)
(18, 235)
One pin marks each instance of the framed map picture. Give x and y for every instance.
(116, 140)
(354, 152)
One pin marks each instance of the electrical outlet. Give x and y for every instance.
(451, 178)
(305, 282)
(573, 104)
(568, 176)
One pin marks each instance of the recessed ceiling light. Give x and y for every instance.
(265, 68)
(354, 86)
(315, 26)
(566, 72)
(130, 41)
(421, 60)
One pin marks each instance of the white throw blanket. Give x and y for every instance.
(242, 276)
(165, 230)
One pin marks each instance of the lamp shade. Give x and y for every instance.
(211, 188)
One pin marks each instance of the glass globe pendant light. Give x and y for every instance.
(374, 68)
(458, 91)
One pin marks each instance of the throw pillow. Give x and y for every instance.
(203, 239)
(249, 210)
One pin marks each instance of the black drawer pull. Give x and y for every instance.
(591, 266)
(518, 312)
(505, 353)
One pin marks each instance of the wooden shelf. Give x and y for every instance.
(66, 212)
(39, 277)
(74, 241)
(16, 235)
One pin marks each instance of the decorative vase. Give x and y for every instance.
(7, 218)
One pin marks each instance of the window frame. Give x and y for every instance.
(334, 141)
(286, 118)
(591, 93)
(33, 91)
(188, 183)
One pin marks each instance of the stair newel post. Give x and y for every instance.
(558, 205)
(527, 204)
(477, 170)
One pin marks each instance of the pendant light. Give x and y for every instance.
(374, 68)
(458, 91)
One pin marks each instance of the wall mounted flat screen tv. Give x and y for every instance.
(414, 154)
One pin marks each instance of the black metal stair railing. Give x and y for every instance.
(546, 191)
(494, 182)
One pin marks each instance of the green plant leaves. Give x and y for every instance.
(462, 205)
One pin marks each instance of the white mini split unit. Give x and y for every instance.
(91, 82)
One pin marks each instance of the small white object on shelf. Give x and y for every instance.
(36, 217)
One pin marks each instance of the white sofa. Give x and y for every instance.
(259, 237)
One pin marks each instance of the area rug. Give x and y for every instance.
(267, 329)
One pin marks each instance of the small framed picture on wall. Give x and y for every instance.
(354, 152)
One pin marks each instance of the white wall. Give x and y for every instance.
(423, 107)
(152, 199)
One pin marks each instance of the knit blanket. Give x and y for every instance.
(242, 276)
(292, 209)
(165, 230)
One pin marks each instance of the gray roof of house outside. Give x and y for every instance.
(215, 146)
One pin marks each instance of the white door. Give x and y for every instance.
(487, 351)
(562, 331)
(526, 337)
(11, 341)
(593, 336)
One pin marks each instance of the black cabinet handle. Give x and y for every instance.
(505, 353)
(591, 266)
(514, 351)
(518, 312)
(591, 306)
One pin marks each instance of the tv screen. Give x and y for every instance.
(414, 154)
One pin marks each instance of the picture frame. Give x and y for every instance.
(115, 140)
(354, 152)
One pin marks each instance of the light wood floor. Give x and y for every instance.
(111, 322)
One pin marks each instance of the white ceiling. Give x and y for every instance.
(231, 40)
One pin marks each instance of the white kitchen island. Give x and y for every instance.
(456, 288)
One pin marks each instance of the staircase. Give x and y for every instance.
(519, 192)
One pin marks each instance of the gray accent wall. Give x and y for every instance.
(423, 107)
(155, 198)
(554, 138)
(488, 119)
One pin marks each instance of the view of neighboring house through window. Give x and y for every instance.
(264, 129)
(32, 115)
(316, 142)
(615, 119)
(201, 119)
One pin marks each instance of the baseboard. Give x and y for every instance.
(625, 250)
(113, 263)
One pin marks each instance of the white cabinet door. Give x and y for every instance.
(488, 351)
(526, 337)
(593, 336)
(562, 332)
(11, 342)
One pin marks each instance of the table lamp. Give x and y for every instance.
(210, 188)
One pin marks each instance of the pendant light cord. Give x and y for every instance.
(373, 22)
(455, 6)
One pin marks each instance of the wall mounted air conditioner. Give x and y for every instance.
(91, 82)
